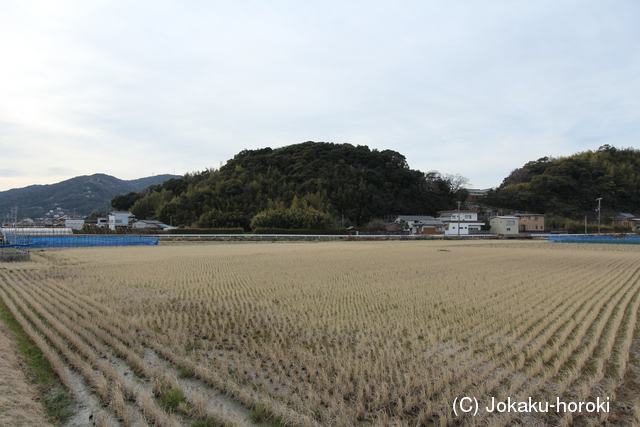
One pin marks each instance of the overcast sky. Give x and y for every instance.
(135, 88)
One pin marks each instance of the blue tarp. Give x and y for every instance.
(628, 240)
(83, 241)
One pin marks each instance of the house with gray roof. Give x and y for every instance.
(417, 224)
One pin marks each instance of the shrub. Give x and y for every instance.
(340, 231)
(205, 231)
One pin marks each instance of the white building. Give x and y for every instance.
(507, 224)
(460, 222)
(119, 219)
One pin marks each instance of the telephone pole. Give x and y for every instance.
(599, 199)
(459, 218)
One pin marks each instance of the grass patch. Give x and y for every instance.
(262, 414)
(257, 416)
(210, 422)
(172, 398)
(185, 373)
(56, 399)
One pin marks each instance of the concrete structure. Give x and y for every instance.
(507, 224)
(468, 222)
(119, 219)
(528, 223)
(420, 224)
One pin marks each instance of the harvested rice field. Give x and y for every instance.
(404, 333)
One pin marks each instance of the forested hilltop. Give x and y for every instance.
(569, 186)
(307, 185)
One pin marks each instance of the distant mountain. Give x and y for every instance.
(80, 195)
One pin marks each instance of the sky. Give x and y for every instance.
(139, 88)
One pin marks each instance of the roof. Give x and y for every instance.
(505, 217)
(462, 221)
(624, 215)
(414, 218)
(456, 211)
(434, 221)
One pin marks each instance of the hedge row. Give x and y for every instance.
(341, 231)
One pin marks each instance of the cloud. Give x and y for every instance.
(479, 89)
(4, 172)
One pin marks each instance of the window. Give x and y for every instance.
(535, 218)
(508, 229)
(511, 223)
(467, 217)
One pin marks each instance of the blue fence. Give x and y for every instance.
(82, 241)
(623, 240)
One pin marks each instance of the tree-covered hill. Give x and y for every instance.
(341, 180)
(569, 186)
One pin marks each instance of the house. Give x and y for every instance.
(419, 224)
(460, 222)
(59, 221)
(531, 222)
(507, 224)
(119, 219)
(476, 194)
(627, 220)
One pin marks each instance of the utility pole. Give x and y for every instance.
(459, 218)
(599, 199)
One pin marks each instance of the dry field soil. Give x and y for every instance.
(338, 333)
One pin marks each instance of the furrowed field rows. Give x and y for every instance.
(124, 376)
(338, 333)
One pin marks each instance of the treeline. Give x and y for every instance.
(569, 186)
(307, 185)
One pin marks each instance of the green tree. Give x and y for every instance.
(124, 202)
